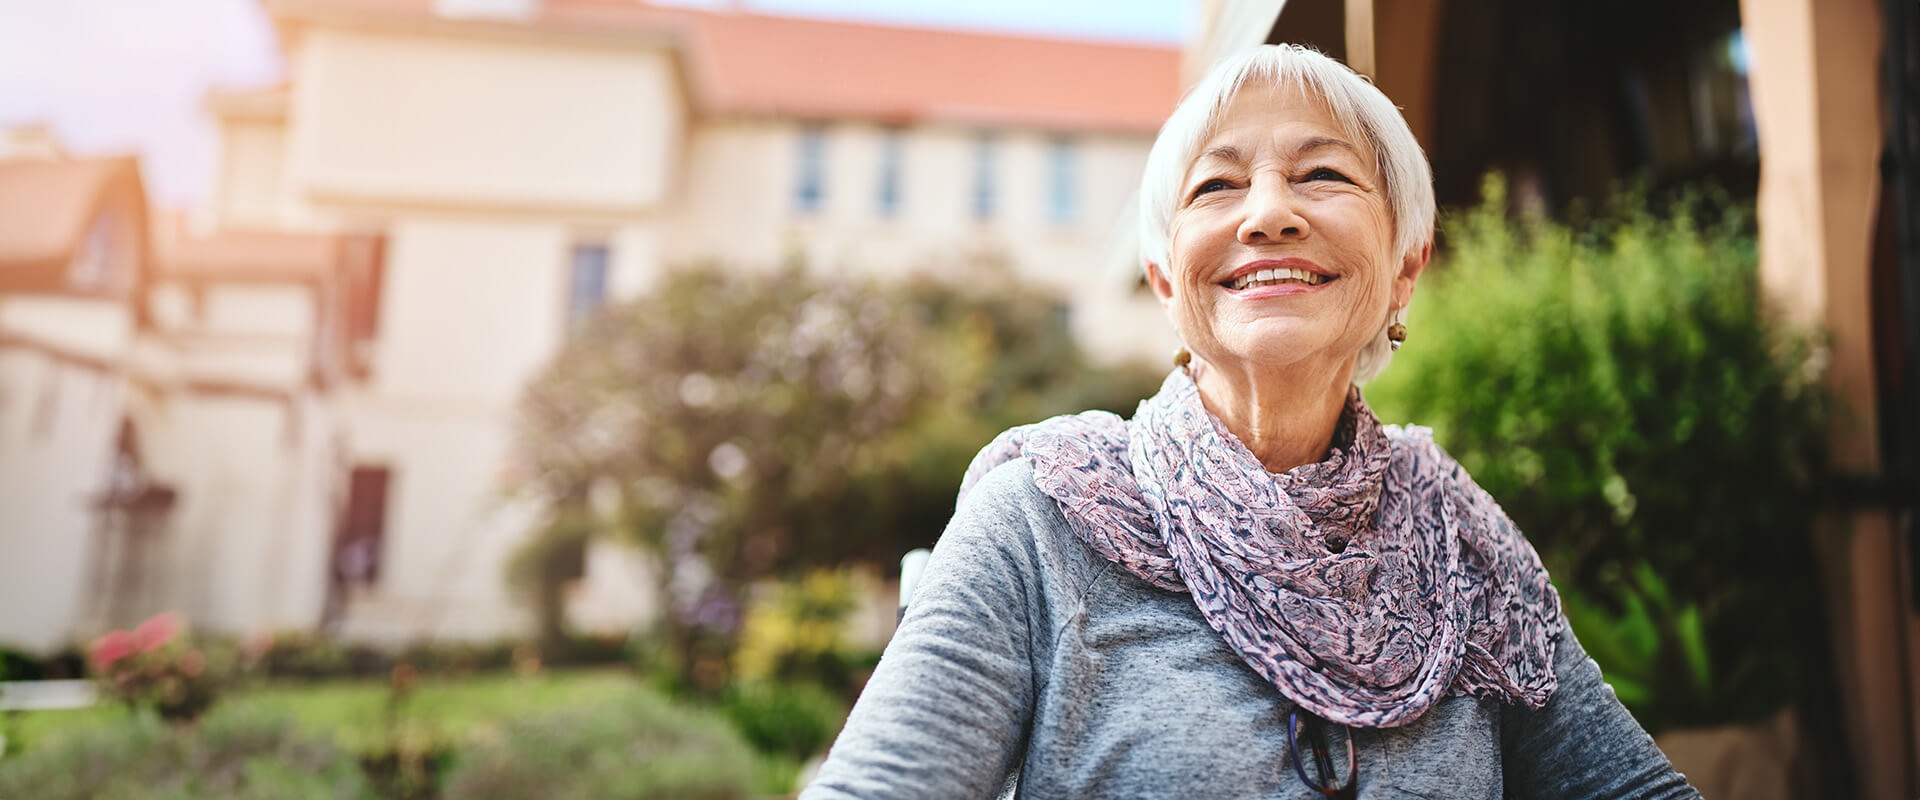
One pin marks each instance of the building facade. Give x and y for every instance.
(405, 231)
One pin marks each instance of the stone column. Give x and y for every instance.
(1816, 88)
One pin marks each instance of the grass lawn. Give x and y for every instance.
(443, 710)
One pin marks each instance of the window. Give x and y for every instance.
(363, 531)
(983, 178)
(586, 283)
(1062, 202)
(889, 195)
(809, 189)
(94, 269)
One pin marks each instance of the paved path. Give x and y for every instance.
(45, 695)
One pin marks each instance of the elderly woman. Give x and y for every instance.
(1253, 588)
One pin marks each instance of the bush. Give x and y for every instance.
(640, 747)
(796, 632)
(1625, 398)
(797, 719)
(232, 755)
(161, 666)
(300, 654)
(20, 665)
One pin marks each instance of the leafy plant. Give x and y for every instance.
(159, 665)
(744, 425)
(795, 719)
(1624, 395)
(231, 755)
(797, 632)
(639, 747)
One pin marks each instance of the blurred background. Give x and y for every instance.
(414, 398)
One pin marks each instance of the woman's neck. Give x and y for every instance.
(1286, 418)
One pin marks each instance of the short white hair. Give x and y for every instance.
(1355, 104)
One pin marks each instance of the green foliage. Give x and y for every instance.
(161, 665)
(231, 755)
(639, 747)
(308, 655)
(1624, 396)
(794, 719)
(744, 425)
(21, 665)
(798, 632)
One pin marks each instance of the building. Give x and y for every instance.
(73, 260)
(404, 232)
(166, 439)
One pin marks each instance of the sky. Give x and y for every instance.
(119, 76)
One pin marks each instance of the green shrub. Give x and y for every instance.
(1623, 395)
(796, 631)
(21, 665)
(232, 755)
(307, 655)
(638, 747)
(795, 719)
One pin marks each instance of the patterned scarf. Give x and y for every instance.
(1365, 587)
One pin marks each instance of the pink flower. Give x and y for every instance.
(110, 647)
(156, 631)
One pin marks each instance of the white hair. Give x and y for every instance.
(1356, 105)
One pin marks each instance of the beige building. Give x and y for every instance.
(324, 377)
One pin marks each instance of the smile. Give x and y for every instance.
(1275, 277)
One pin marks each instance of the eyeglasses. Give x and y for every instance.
(1322, 762)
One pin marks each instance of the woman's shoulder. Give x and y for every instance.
(1100, 431)
(1422, 466)
(1417, 454)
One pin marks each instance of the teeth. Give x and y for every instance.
(1269, 277)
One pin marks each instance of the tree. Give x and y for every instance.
(743, 425)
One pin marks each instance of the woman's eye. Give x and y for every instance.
(1326, 174)
(1213, 185)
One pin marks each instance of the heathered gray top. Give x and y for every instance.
(1026, 657)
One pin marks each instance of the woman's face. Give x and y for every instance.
(1282, 242)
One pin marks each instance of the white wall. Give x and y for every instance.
(481, 121)
(739, 199)
(57, 428)
(471, 310)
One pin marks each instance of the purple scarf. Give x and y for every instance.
(1365, 587)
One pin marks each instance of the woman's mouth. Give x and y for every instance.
(1276, 277)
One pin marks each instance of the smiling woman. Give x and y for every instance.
(1252, 588)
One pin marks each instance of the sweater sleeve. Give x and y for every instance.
(1583, 743)
(946, 711)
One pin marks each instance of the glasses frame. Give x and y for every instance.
(1323, 762)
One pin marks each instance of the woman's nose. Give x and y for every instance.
(1271, 212)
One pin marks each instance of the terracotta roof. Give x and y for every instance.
(249, 256)
(47, 207)
(792, 67)
(266, 103)
(757, 64)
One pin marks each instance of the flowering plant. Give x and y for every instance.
(155, 664)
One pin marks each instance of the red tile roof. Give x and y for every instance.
(756, 64)
(249, 256)
(747, 63)
(47, 208)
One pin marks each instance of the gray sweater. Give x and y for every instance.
(1024, 658)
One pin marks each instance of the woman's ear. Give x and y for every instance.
(1414, 263)
(1157, 279)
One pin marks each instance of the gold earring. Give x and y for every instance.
(1182, 358)
(1396, 335)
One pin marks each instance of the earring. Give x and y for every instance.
(1397, 332)
(1181, 357)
